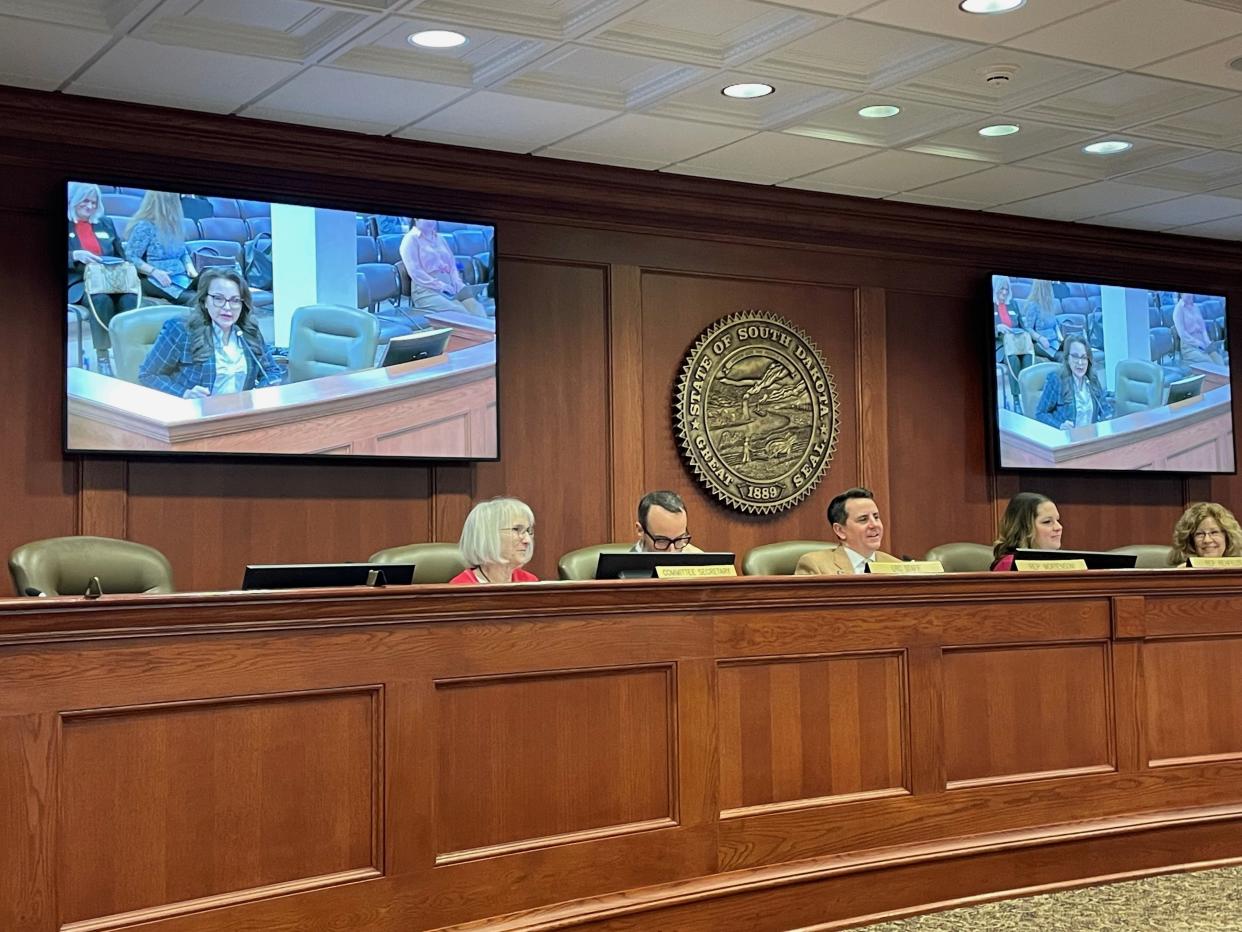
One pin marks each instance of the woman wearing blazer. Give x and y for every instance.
(93, 240)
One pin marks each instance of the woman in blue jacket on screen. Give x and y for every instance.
(216, 348)
(1072, 396)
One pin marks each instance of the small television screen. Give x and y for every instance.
(213, 325)
(1091, 376)
(631, 565)
(326, 575)
(1095, 559)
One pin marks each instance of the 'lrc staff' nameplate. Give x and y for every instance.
(905, 567)
(694, 572)
(1050, 566)
(1215, 563)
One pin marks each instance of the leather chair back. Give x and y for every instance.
(962, 557)
(433, 563)
(1140, 386)
(327, 339)
(581, 563)
(781, 558)
(1150, 556)
(65, 565)
(1031, 383)
(133, 334)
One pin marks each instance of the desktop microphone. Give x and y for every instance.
(255, 357)
(32, 591)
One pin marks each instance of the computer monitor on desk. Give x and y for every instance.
(327, 575)
(421, 344)
(1095, 560)
(1185, 388)
(643, 565)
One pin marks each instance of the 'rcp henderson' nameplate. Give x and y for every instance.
(1049, 566)
(906, 568)
(1215, 563)
(694, 572)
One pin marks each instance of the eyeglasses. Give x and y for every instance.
(520, 530)
(219, 301)
(1078, 357)
(659, 542)
(1204, 535)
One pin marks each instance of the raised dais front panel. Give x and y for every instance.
(1020, 713)
(527, 761)
(1193, 700)
(169, 804)
(804, 730)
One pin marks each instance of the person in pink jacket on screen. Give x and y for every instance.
(435, 283)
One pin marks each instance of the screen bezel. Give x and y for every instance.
(650, 559)
(275, 194)
(992, 413)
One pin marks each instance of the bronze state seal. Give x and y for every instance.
(757, 412)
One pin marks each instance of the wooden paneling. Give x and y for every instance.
(538, 760)
(799, 730)
(177, 802)
(1193, 695)
(1021, 713)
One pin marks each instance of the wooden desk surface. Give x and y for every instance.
(745, 753)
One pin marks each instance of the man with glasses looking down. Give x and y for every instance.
(662, 524)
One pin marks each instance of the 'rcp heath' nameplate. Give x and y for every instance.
(695, 572)
(1049, 566)
(1215, 563)
(906, 568)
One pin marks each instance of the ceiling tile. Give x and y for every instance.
(1216, 125)
(886, 173)
(1208, 65)
(1138, 31)
(546, 19)
(43, 55)
(767, 158)
(1002, 184)
(597, 77)
(1229, 228)
(505, 121)
(859, 56)
(1194, 175)
(832, 7)
(706, 102)
(640, 141)
(1197, 208)
(946, 19)
(1146, 153)
(1122, 101)
(348, 99)
(1031, 78)
(1088, 200)
(150, 73)
(916, 120)
(966, 143)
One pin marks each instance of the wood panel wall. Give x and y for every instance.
(606, 278)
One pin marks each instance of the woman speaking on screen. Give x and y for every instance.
(1072, 396)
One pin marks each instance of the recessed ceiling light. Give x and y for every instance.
(1000, 129)
(746, 91)
(437, 39)
(879, 112)
(990, 6)
(1107, 147)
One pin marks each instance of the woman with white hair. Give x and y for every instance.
(497, 540)
(94, 243)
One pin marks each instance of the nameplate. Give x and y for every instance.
(695, 572)
(905, 567)
(1215, 563)
(1050, 566)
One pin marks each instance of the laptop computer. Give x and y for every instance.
(422, 344)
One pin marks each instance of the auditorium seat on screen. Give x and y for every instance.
(1031, 383)
(224, 207)
(1140, 386)
(962, 557)
(189, 229)
(65, 565)
(133, 334)
(125, 205)
(365, 225)
(1019, 288)
(433, 563)
(1161, 343)
(1150, 556)
(390, 252)
(368, 251)
(328, 339)
(580, 564)
(450, 226)
(227, 228)
(781, 558)
(364, 292)
(470, 242)
(251, 209)
(257, 225)
(383, 283)
(139, 193)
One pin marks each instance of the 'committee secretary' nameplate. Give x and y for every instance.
(757, 412)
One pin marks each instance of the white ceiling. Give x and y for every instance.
(637, 83)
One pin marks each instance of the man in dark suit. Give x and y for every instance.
(855, 519)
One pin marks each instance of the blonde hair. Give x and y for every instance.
(480, 535)
(163, 211)
(1188, 523)
(999, 282)
(78, 190)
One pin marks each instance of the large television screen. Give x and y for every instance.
(214, 325)
(1093, 376)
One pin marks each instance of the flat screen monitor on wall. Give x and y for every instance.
(204, 325)
(1100, 377)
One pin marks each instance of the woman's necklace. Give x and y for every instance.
(478, 571)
